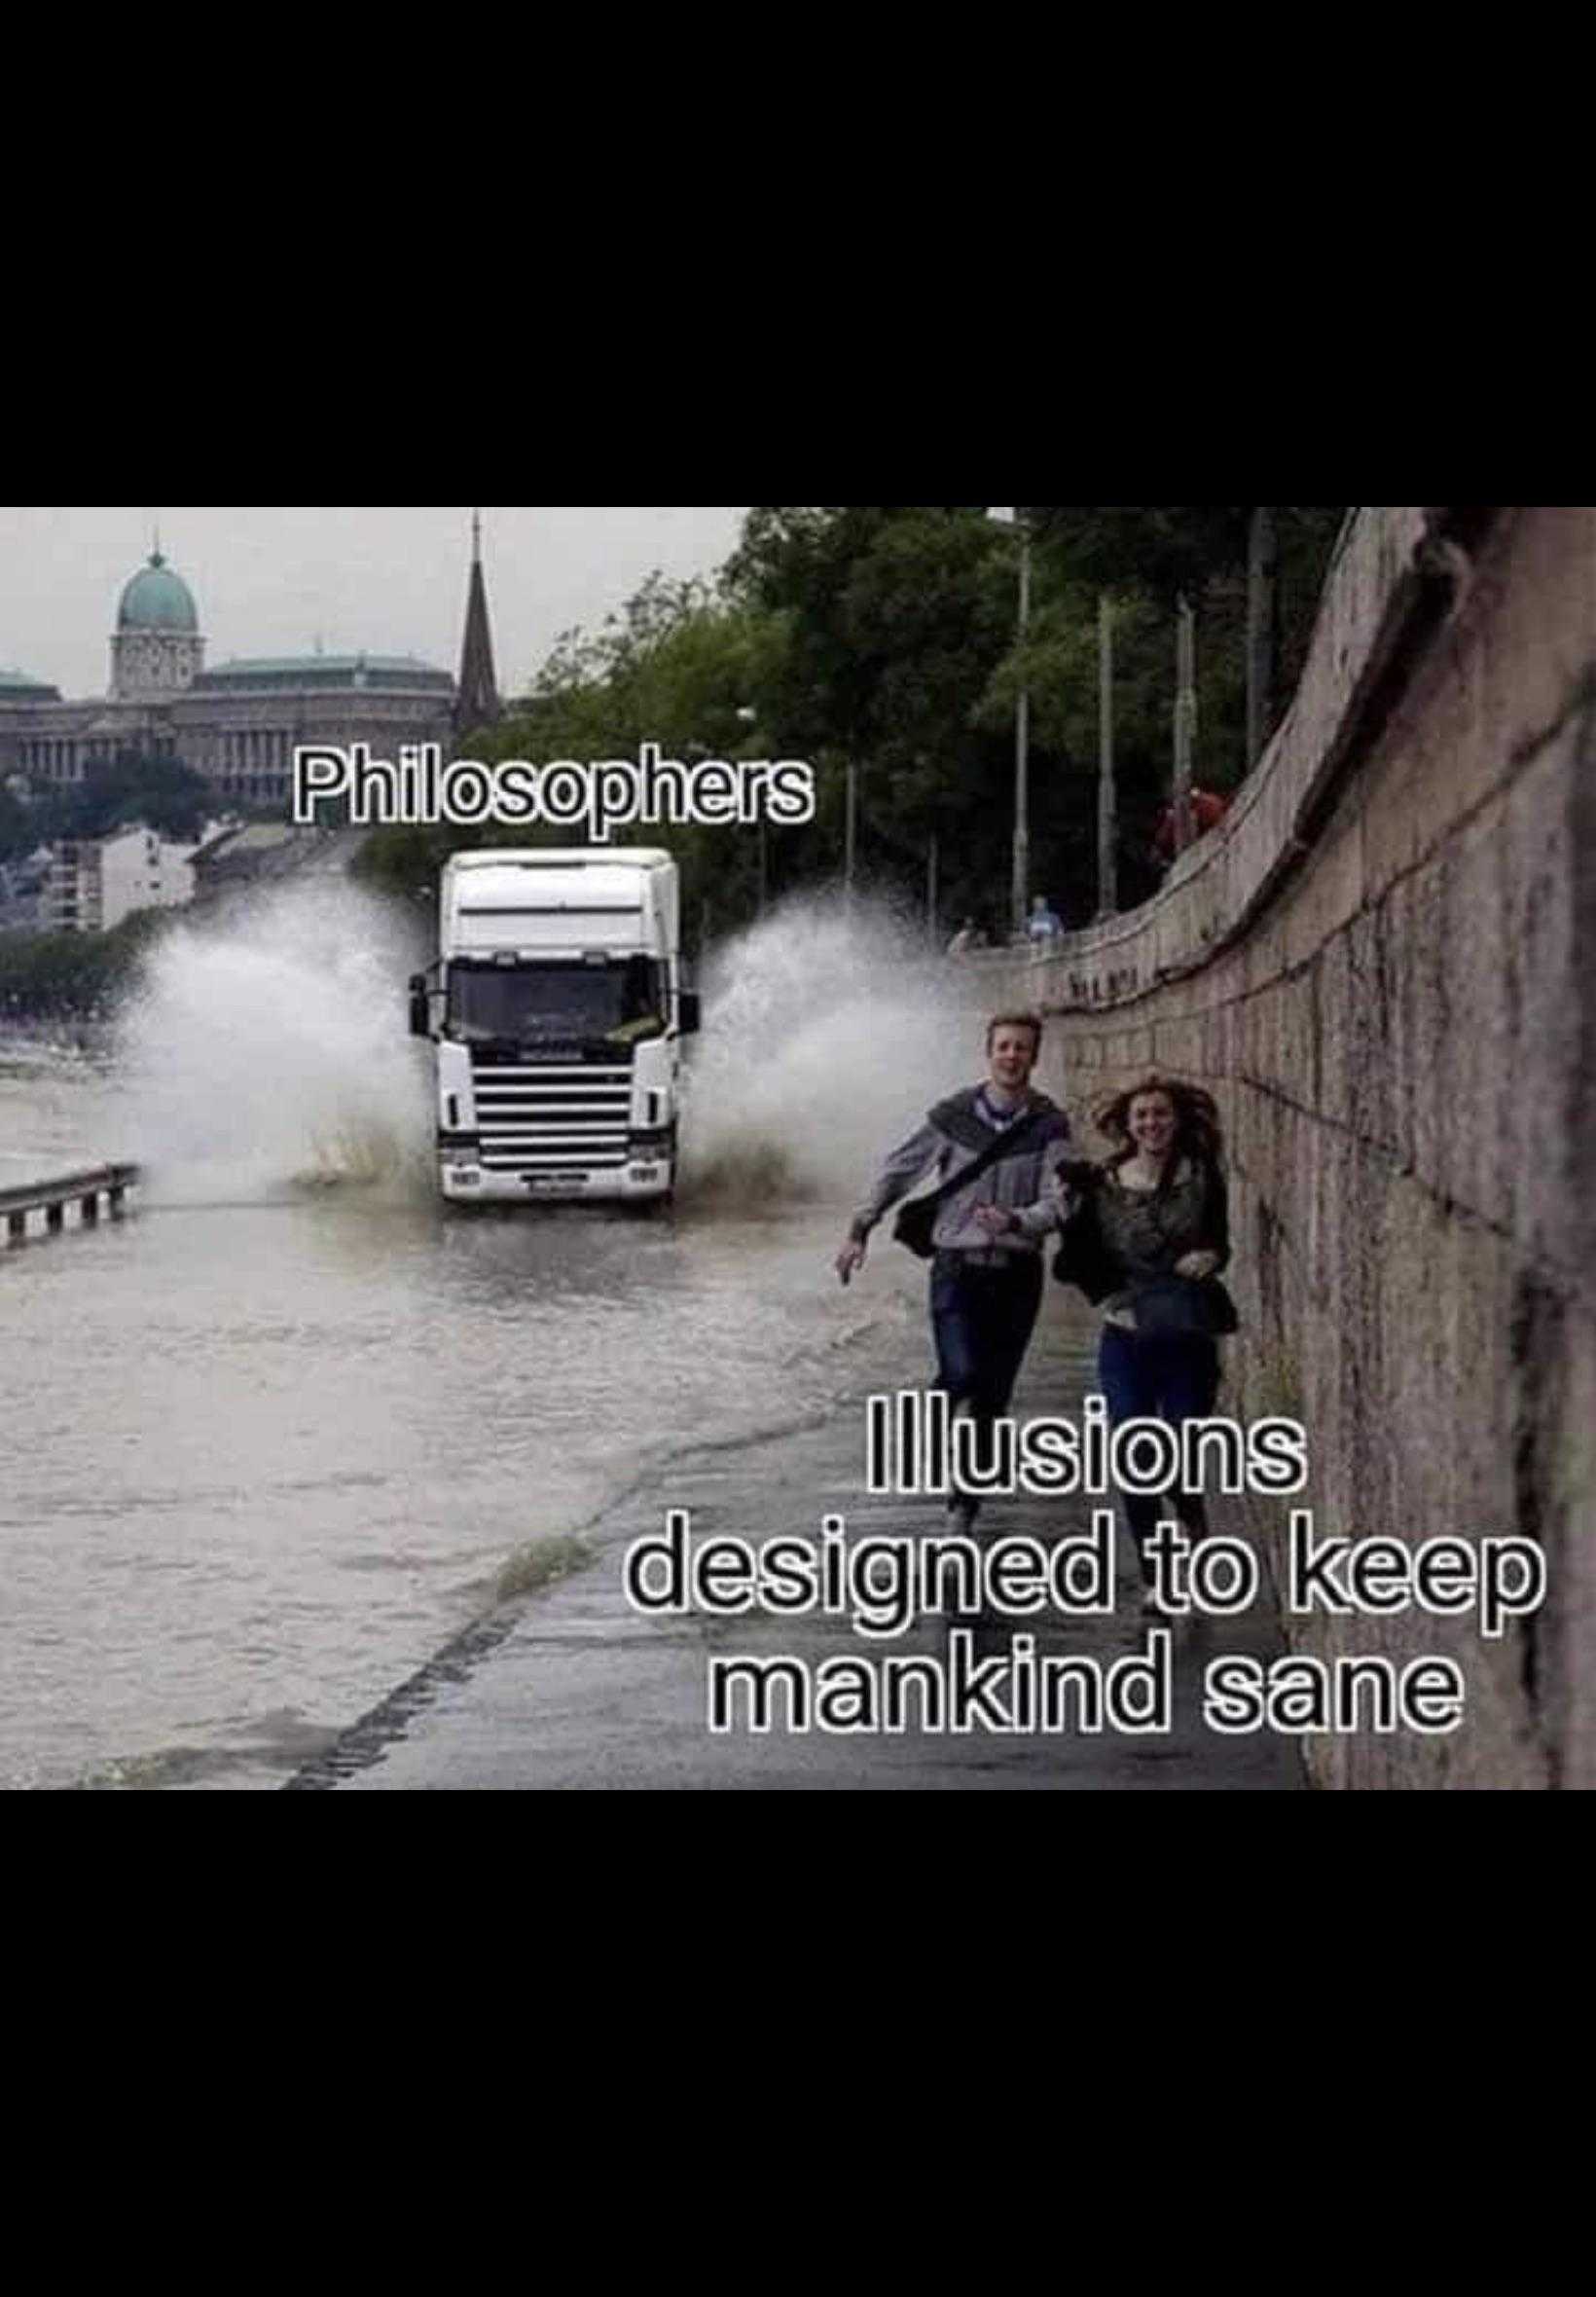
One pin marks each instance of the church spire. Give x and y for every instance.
(477, 702)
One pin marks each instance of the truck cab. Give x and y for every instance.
(559, 1013)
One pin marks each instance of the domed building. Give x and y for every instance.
(237, 725)
(156, 649)
(16, 686)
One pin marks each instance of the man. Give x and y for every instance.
(1045, 925)
(987, 1272)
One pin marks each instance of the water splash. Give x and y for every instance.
(266, 1050)
(828, 1032)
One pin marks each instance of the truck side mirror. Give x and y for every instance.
(688, 1012)
(419, 1018)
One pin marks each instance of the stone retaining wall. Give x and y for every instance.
(1382, 966)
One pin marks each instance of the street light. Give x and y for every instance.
(748, 716)
(1020, 893)
(1107, 828)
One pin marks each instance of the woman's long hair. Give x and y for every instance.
(1197, 1133)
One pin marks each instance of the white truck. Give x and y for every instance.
(557, 1009)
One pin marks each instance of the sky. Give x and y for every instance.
(272, 581)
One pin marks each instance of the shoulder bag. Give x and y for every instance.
(916, 1220)
(1171, 1305)
(1082, 1260)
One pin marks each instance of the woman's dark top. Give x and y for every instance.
(1145, 1231)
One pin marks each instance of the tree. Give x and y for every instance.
(883, 639)
(1219, 560)
(159, 791)
(681, 665)
(18, 833)
(76, 977)
(1250, 631)
(1168, 554)
(1261, 570)
(895, 621)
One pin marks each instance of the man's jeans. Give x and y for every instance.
(982, 1317)
(1169, 1376)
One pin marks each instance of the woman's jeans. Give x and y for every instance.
(1169, 1376)
(982, 1317)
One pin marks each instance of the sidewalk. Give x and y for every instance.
(572, 1687)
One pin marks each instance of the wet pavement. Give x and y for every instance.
(573, 1688)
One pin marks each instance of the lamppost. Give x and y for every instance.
(1186, 720)
(749, 717)
(1020, 891)
(1107, 828)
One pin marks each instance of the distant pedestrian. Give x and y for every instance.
(1045, 925)
(965, 939)
(1208, 810)
(985, 1236)
(1148, 1238)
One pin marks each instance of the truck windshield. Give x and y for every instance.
(619, 1002)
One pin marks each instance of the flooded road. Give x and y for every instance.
(280, 1434)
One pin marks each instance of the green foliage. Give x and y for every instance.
(885, 638)
(160, 793)
(539, 1564)
(1160, 553)
(1155, 556)
(17, 834)
(681, 665)
(677, 668)
(1307, 542)
(75, 976)
(895, 623)
(1146, 559)
(894, 620)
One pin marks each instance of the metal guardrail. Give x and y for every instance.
(51, 1198)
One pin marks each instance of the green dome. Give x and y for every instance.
(156, 598)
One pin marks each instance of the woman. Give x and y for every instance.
(1153, 1230)
(1163, 1225)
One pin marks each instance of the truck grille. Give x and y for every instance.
(561, 1118)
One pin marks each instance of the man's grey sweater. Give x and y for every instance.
(1025, 1180)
